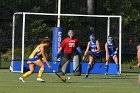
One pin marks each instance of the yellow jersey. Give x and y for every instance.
(36, 52)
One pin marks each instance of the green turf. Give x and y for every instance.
(125, 83)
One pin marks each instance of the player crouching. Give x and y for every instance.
(111, 52)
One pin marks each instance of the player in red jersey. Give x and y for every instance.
(69, 47)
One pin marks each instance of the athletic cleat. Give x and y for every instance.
(85, 78)
(21, 79)
(118, 73)
(106, 74)
(40, 80)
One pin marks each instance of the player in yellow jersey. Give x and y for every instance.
(34, 60)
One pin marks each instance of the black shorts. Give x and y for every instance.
(69, 56)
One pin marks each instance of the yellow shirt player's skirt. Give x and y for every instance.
(33, 59)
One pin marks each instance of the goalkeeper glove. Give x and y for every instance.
(56, 57)
(79, 50)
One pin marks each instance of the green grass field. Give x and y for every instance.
(125, 83)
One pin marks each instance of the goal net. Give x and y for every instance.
(29, 28)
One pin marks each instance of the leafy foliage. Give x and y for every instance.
(128, 9)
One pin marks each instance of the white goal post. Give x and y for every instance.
(71, 15)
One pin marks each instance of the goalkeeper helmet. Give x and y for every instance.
(70, 33)
(92, 38)
(110, 39)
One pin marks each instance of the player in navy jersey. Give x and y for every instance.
(93, 49)
(111, 51)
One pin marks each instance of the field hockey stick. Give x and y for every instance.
(60, 78)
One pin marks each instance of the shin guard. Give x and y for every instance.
(89, 68)
(40, 72)
(106, 67)
(26, 74)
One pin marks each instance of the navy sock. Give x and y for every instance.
(89, 68)
(106, 67)
(117, 65)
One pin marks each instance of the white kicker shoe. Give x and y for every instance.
(21, 79)
(40, 80)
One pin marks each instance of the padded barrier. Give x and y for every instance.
(99, 67)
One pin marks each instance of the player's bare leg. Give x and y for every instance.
(115, 58)
(31, 66)
(41, 65)
(90, 66)
(106, 67)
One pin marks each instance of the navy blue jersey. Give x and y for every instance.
(92, 47)
(111, 49)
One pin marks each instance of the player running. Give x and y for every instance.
(34, 60)
(68, 46)
(93, 49)
(111, 51)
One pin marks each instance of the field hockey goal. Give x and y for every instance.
(28, 28)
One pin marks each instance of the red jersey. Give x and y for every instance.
(69, 44)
